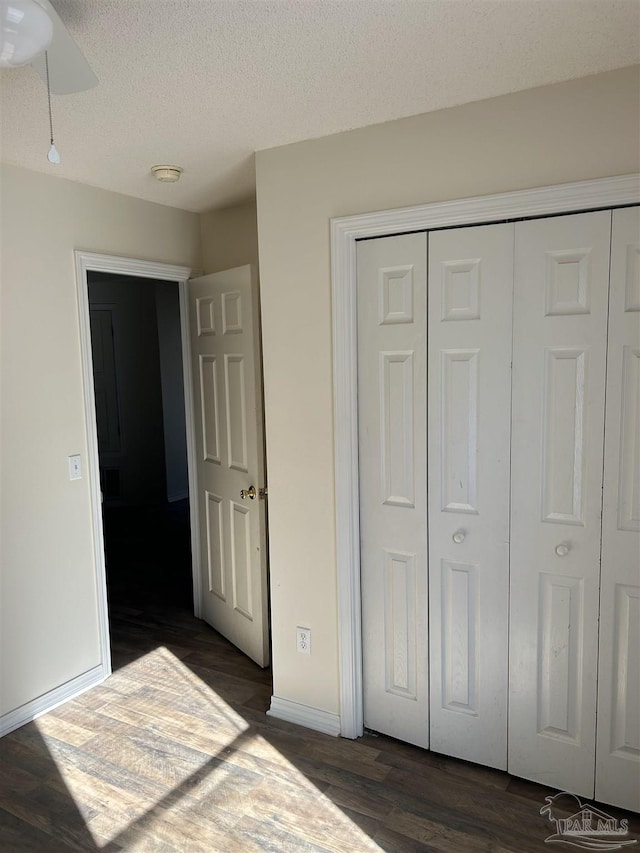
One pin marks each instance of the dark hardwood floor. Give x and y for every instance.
(174, 752)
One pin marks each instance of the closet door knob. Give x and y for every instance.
(458, 536)
(562, 549)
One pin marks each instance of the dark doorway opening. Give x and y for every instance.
(139, 393)
(148, 555)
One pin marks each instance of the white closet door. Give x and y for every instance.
(559, 355)
(618, 749)
(469, 406)
(393, 468)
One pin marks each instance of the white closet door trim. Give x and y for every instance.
(563, 198)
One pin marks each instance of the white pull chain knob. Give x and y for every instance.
(562, 549)
(458, 536)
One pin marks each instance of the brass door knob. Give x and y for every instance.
(248, 493)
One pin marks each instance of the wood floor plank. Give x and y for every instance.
(414, 760)
(55, 815)
(226, 663)
(295, 810)
(25, 751)
(19, 836)
(362, 803)
(438, 835)
(273, 838)
(100, 797)
(55, 726)
(64, 756)
(226, 742)
(394, 842)
(160, 828)
(15, 781)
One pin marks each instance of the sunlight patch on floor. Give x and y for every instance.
(193, 775)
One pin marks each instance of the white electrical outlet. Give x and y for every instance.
(75, 467)
(303, 640)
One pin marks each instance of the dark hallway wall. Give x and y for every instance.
(133, 468)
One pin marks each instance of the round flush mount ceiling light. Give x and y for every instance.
(25, 31)
(166, 174)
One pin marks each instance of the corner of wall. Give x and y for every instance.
(229, 237)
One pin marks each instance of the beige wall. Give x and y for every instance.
(569, 132)
(48, 596)
(229, 237)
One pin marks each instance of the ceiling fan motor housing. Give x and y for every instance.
(26, 30)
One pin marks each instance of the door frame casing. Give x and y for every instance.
(345, 232)
(86, 262)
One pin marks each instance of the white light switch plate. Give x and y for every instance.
(75, 467)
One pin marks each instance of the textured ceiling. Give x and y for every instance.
(205, 83)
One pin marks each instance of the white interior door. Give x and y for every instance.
(393, 490)
(469, 424)
(559, 357)
(618, 745)
(227, 392)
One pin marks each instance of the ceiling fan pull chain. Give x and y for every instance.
(52, 156)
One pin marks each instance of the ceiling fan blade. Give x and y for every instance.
(69, 71)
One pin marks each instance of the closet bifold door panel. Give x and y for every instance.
(469, 421)
(558, 396)
(392, 383)
(618, 742)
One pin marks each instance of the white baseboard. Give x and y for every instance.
(48, 701)
(303, 715)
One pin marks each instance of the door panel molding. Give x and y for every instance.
(86, 262)
(563, 473)
(210, 420)
(459, 430)
(459, 636)
(559, 673)
(345, 231)
(397, 440)
(400, 623)
(215, 545)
